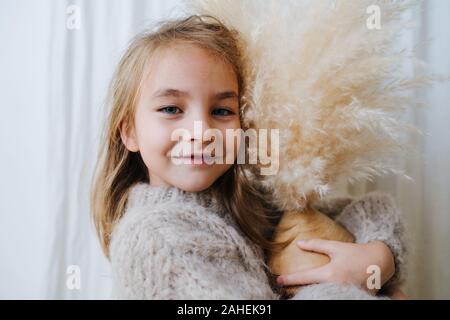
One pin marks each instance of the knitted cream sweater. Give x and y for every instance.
(172, 244)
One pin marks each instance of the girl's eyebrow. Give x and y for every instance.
(169, 92)
(226, 95)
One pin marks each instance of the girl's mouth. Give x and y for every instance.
(195, 160)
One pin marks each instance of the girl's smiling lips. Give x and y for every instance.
(196, 159)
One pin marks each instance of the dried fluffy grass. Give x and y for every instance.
(334, 88)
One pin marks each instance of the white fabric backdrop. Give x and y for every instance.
(53, 83)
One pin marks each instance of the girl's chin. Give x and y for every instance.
(196, 180)
(194, 187)
(194, 183)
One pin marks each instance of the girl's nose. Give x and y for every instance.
(199, 124)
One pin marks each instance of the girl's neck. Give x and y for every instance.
(157, 181)
(144, 194)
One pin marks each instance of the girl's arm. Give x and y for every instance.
(376, 224)
(141, 267)
(373, 217)
(365, 266)
(145, 265)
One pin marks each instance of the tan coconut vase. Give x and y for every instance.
(302, 225)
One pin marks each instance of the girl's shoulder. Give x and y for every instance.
(174, 214)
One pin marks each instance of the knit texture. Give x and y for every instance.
(172, 244)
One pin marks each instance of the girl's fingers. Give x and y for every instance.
(327, 247)
(309, 276)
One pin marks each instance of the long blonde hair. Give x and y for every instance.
(118, 169)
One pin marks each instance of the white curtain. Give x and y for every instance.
(54, 79)
(425, 201)
(53, 85)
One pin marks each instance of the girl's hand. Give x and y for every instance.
(348, 264)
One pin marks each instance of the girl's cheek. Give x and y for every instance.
(158, 133)
(152, 130)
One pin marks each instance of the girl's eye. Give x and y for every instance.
(222, 112)
(170, 110)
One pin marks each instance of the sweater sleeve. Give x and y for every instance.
(371, 217)
(144, 264)
(333, 291)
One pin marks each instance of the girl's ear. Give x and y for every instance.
(128, 136)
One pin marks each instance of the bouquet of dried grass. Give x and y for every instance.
(330, 78)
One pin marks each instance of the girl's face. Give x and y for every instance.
(185, 84)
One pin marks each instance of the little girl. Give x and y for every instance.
(198, 230)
